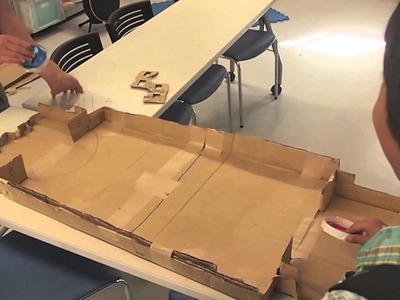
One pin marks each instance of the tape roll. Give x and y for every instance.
(38, 62)
(336, 227)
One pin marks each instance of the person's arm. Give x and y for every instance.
(13, 49)
(14, 30)
(11, 25)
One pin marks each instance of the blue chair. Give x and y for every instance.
(125, 19)
(250, 45)
(31, 269)
(179, 112)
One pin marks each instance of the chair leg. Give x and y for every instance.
(228, 84)
(126, 288)
(232, 66)
(90, 27)
(194, 118)
(239, 68)
(83, 23)
(278, 69)
(3, 230)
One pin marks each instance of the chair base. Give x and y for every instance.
(90, 22)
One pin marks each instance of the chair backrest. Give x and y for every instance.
(76, 51)
(100, 10)
(125, 19)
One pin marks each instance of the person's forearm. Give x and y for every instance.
(50, 72)
(10, 24)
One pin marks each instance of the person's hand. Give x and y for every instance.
(64, 83)
(59, 81)
(14, 50)
(361, 231)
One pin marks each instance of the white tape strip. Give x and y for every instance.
(336, 227)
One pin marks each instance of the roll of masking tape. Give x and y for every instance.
(38, 62)
(336, 227)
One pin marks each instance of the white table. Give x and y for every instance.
(180, 43)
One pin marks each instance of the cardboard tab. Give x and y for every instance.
(161, 255)
(14, 170)
(78, 126)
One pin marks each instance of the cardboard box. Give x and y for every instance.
(215, 207)
(319, 261)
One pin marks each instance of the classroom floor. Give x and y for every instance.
(332, 53)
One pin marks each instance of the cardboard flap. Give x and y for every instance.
(97, 117)
(346, 188)
(160, 130)
(218, 142)
(79, 126)
(57, 114)
(345, 177)
(287, 286)
(285, 157)
(14, 170)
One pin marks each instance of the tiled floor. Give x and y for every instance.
(331, 79)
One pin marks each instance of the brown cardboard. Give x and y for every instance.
(322, 260)
(216, 207)
(157, 91)
(12, 76)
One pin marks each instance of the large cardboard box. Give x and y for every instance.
(215, 207)
(319, 260)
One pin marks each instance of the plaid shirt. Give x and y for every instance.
(382, 249)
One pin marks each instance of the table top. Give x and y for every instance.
(180, 43)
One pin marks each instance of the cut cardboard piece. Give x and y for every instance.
(157, 91)
(316, 253)
(215, 207)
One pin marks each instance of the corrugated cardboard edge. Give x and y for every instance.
(205, 272)
(346, 188)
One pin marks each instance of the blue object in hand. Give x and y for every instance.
(38, 60)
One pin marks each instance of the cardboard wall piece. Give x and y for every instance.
(320, 259)
(216, 207)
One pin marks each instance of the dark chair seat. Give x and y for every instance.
(76, 51)
(127, 18)
(178, 296)
(251, 44)
(31, 269)
(98, 11)
(179, 112)
(205, 86)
